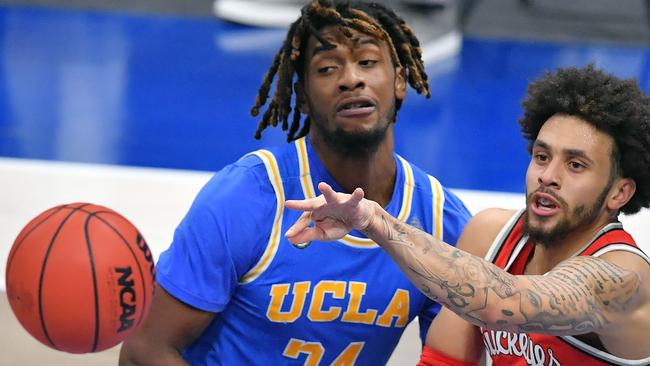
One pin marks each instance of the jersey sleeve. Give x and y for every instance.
(221, 237)
(455, 216)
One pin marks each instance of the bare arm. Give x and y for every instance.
(580, 295)
(170, 326)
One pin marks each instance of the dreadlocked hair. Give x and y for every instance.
(370, 18)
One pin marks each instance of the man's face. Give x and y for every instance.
(350, 90)
(568, 178)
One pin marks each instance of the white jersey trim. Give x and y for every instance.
(604, 355)
(515, 253)
(503, 234)
(605, 229)
(623, 247)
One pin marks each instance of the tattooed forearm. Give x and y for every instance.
(578, 296)
(395, 233)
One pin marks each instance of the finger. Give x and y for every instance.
(303, 221)
(309, 204)
(327, 191)
(357, 196)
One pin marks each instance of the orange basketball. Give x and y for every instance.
(80, 278)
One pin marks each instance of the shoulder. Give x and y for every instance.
(229, 217)
(454, 205)
(482, 229)
(441, 196)
(492, 219)
(632, 258)
(238, 190)
(620, 251)
(248, 166)
(238, 178)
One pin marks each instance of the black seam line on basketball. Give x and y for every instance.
(40, 281)
(137, 262)
(20, 242)
(92, 269)
(126, 242)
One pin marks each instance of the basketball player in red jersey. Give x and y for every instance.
(562, 283)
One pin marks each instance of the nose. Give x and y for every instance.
(351, 79)
(549, 176)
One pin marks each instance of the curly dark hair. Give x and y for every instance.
(366, 17)
(614, 106)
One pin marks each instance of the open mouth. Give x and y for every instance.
(544, 204)
(356, 103)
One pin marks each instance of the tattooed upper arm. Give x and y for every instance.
(580, 295)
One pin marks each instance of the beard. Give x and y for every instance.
(354, 143)
(580, 217)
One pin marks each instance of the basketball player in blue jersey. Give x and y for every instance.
(562, 282)
(232, 289)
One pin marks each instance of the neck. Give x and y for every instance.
(374, 171)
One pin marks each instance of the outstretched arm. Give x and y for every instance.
(580, 295)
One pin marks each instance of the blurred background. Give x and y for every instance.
(135, 104)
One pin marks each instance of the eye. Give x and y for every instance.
(575, 165)
(325, 70)
(540, 157)
(367, 62)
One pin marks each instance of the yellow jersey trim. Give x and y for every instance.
(438, 206)
(273, 173)
(305, 174)
(309, 191)
(404, 212)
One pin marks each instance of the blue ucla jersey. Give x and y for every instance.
(333, 303)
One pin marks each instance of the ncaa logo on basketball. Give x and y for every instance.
(127, 297)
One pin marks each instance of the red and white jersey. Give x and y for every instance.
(510, 251)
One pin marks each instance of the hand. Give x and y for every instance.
(334, 214)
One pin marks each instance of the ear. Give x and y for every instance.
(400, 83)
(621, 193)
(301, 101)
